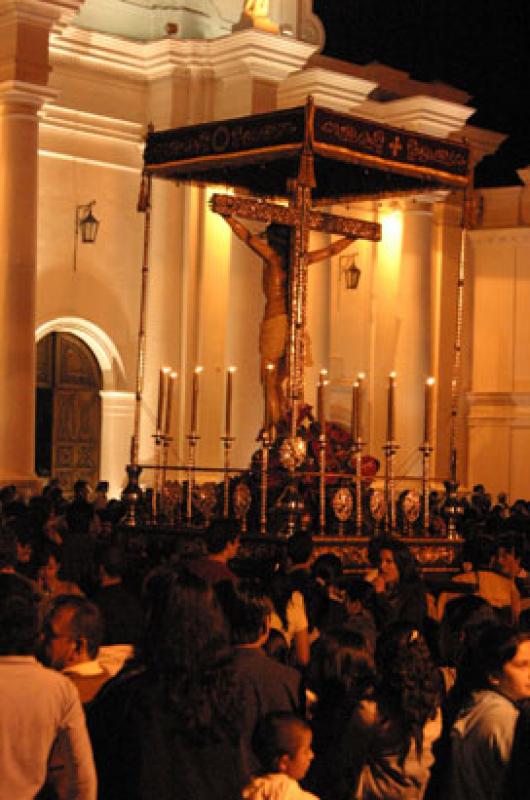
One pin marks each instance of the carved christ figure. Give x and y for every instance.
(274, 329)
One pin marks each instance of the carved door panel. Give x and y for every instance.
(76, 410)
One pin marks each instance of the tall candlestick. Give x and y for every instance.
(360, 378)
(162, 387)
(429, 407)
(195, 398)
(355, 412)
(322, 382)
(169, 401)
(391, 407)
(228, 404)
(266, 411)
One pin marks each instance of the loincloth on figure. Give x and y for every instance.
(273, 338)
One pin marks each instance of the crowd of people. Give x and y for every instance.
(171, 674)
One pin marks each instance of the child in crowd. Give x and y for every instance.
(282, 742)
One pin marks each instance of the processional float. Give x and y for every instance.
(305, 157)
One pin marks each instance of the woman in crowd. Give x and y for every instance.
(169, 731)
(342, 676)
(400, 593)
(393, 734)
(494, 676)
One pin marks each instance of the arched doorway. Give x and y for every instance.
(68, 410)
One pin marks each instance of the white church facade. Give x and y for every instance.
(79, 84)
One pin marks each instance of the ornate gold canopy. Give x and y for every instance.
(352, 157)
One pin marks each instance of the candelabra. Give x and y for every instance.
(322, 482)
(265, 445)
(359, 444)
(227, 445)
(192, 445)
(426, 450)
(390, 449)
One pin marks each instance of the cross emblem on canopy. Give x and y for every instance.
(302, 218)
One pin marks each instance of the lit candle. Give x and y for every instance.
(429, 407)
(228, 408)
(321, 400)
(169, 400)
(355, 411)
(266, 412)
(391, 407)
(356, 430)
(195, 398)
(162, 385)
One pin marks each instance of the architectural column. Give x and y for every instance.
(412, 360)
(24, 70)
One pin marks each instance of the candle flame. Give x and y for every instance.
(198, 370)
(173, 375)
(166, 370)
(232, 369)
(393, 375)
(270, 367)
(361, 376)
(430, 381)
(323, 372)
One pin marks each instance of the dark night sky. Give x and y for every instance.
(481, 46)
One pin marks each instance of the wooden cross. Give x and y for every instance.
(300, 216)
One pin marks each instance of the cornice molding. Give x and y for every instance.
(498, 409)
(39, 13)
(30, 95)
(335, 90)
(92, 124)
(255, 52)
(509, 236)
(421, 113)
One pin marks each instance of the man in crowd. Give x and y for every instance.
(72, 632)
(40, 710)
(222, 542)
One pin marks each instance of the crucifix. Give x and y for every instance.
(291, 318)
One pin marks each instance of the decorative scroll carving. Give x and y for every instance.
(254, 208)
(364, 137)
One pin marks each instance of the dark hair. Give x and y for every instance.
(512, 542)
(409, 685)
(18, 616)
(86, 622)
(300, 547)
(277, 734)
(111, 558)
(361, 590)
(187, 651)
(79, 515)
(46, 551)
(462, 616)
(494, 645)
(8, 548)
(342, 669)
(276, 647)
(405, 561)
(246, 611)
(327, 568)
(220, 533)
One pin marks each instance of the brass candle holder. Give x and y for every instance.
(158, 439)
(358, 451)
(426, 450)
(390, 449)
(193, 440)
(322, 482)
(227, 447)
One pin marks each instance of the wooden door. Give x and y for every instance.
(68, 410)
